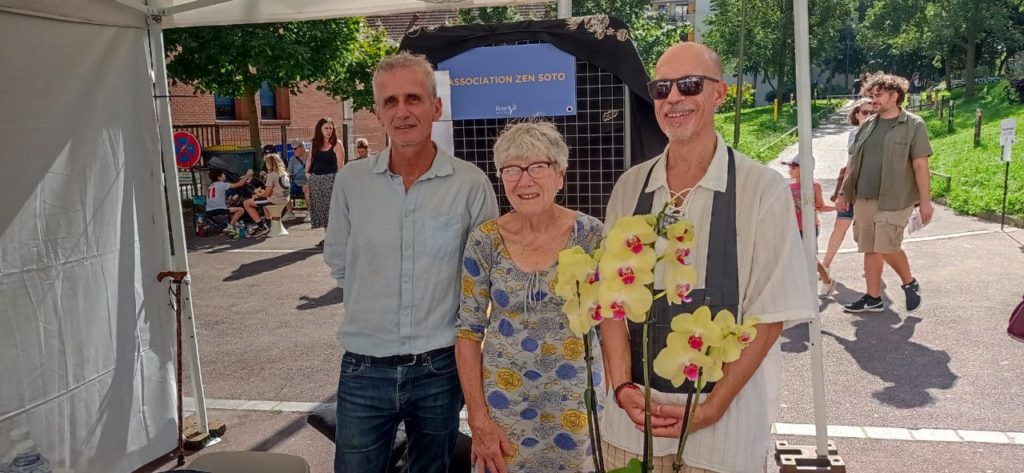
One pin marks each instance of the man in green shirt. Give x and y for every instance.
(887, 176)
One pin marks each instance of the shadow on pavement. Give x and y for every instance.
(882, 346)
(255, 268)
(332, 297)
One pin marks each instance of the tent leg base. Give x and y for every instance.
(196, 439)
(805, 459)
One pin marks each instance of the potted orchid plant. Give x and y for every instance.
(617, 281)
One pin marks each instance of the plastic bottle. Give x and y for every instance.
(241, 230)
(27, 459)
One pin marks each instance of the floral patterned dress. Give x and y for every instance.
(534, 374)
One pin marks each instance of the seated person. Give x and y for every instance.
(275, 192)
(297, 172)
(216, 198)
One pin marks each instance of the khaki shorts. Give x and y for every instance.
(878, 231)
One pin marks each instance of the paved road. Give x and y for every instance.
(268, 312)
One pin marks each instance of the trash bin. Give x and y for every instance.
(237, 161)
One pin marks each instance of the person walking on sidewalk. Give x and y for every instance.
(886, 176)
(862, 109)
(824, 279)
(399, 222)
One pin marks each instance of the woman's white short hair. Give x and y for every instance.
(531, 139)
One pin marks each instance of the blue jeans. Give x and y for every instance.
(373, 398)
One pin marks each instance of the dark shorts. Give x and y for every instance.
(848, 214)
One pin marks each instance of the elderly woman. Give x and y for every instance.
(524, 388)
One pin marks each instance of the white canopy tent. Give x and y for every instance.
(86, 332)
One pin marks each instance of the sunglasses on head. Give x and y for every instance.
(688, 86)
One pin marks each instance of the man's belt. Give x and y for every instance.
(400, 360)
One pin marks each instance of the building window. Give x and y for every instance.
(663, 9)
(679, 12)
(268, 102)
(224, 107)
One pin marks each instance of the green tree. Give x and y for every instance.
(488, 15)
(769, 35)
(651, 33)
(353, 78)
(950, 31)
(236, 60)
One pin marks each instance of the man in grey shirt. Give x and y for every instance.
(399, 223)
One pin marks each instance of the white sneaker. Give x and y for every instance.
(288, 216)
(228, 229)
(825, 290)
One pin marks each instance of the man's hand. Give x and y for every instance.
(841, 204)
(926, 210)
(490, 446)
(705, 416)
(633, 403)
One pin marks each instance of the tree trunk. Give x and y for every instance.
(254, 121)
(949, 72)
(970, 69)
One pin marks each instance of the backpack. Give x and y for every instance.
(1016, 326)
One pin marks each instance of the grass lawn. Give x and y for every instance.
(761, 137)
(977, 173)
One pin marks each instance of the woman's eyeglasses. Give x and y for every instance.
(515, 173)
(688, 86)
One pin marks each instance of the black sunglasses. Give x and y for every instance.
(688, 86)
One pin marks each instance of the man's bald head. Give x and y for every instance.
(702, 59)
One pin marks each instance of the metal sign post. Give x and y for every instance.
(1007, 130)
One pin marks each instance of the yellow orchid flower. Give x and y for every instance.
(584, 312)
(700, 332)
(712, 372)
(631, 235)
(681, 231)
(678, 362)
(630, 268)
(679, 281)
(679, 253)
(736, 337)
(620, 301)
(575, 266)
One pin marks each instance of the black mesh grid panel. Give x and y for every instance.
(595, 135)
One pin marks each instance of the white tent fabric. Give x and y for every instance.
(86, 351)
(250, 11)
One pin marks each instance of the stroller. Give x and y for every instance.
(206, 225)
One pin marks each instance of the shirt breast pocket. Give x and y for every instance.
(444, 235)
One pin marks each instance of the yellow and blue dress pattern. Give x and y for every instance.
(534, 375)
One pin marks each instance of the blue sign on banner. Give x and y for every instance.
(526, 80)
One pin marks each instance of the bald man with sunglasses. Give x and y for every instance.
(748, 260)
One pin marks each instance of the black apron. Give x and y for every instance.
(721, 283)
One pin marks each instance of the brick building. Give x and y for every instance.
(223, 120)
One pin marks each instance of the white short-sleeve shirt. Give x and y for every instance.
(774, 285)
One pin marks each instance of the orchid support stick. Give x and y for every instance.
(590, 398)
(677, 465)
(648, 460)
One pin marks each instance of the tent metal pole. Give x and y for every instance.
(803, 93)
(179, 255)
(564, 8)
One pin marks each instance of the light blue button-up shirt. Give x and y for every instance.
(398, 253)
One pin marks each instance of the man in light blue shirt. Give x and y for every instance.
(399, 222)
